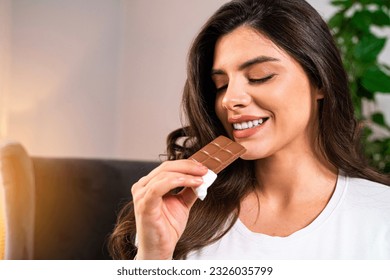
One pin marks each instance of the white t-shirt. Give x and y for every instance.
(355, 224)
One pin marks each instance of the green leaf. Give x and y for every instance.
(367, 131)
(362, 92)
(342, 3)
(375, 80)
(362, 20)
(378, 2)
(379, 119)
(366, 1)
(380, 18)
(369, 47)
(336, 20)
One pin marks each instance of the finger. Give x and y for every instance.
(164, 183)
(190, 167)
(185, 166)
(142, 182)
(167, 181)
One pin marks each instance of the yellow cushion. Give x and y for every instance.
(2, 224)
(17, 202)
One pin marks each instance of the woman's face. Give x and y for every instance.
(264, 98)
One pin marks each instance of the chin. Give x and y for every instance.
(248, 156)
(255, 153)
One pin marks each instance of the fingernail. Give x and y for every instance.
(197, 180)
(203, 167)
(197, 162)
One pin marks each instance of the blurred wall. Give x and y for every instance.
(99, 78)
(63, 76)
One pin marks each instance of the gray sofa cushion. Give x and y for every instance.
(77, 201)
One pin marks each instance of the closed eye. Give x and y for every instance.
(261, 80)
(252, 81)
(222, 88)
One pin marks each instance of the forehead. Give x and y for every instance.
(245, 43)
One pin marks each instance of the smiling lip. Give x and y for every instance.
(243, 118)
(246, 126)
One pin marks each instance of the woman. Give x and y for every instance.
(266, 74)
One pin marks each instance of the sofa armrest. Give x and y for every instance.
(18, 200)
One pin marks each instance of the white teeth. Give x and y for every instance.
(249, 124)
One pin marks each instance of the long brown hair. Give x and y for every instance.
(297, 28)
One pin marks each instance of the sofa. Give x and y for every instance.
(61, 208)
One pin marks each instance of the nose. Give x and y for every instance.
(235, 98)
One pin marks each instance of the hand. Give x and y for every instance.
(162, 217)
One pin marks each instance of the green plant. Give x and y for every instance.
(355, 25)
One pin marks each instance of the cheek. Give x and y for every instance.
(294, 98)
(295, 111)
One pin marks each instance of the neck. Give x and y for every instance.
(290, 176)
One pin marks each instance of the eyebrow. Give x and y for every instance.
(246, 64)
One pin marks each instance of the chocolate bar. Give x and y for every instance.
(216, 156)
(219, 153)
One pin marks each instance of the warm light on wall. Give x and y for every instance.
(5, 50)
(4, 79)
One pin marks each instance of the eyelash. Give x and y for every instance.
(220, 89)
(262, 80)
(252, 81)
